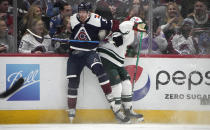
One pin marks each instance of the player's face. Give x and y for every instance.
(83, 15)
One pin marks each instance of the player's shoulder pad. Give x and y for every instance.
(74, 21)
(126, 26)
(95, 20)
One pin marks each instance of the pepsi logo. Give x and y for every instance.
(142, 86)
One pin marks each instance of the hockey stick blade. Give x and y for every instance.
(12, 89)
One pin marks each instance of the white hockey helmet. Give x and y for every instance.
(136, 19)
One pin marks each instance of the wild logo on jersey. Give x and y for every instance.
(82, 35)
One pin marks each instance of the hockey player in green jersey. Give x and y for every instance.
(113, 56)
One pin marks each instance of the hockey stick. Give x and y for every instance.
(12, 89)
(137, 61)
(61, 40)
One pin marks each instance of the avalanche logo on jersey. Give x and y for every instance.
(139, 92)
(31, 87)
(82, 35)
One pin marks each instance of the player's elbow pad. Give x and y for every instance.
(118, 40)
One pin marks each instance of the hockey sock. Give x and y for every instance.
(106, 87)
(105, 83)
(127, 94)
(72, 98)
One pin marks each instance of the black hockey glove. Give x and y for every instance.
(117, 38)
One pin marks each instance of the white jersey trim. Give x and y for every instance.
(81, 49)
(105, 82)
(95, 64)
(71, 76)
(71, 96)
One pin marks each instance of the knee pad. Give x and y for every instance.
(97, 68)
(126, 87)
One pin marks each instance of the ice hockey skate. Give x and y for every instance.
(133, 115)
(71, 114)
(121, 117)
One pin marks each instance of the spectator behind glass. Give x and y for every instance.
(201, 30)
(200, 15)
(33, 44)
(33, 12)
(117, 8)
(56, 22)
(159, 11)
(173, 20)
(120, 9)
(52, 8)
(102, 9)
(183, 43)
(54, 5)
(4, 4)
(136, 10)
(6, 41)
(159, 44)
(187, 7)
(65, 33)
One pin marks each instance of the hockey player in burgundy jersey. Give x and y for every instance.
(86, 26)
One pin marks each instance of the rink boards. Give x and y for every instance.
(169, 89)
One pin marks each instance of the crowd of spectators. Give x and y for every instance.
(179, 26)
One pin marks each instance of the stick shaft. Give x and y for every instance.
(14, 88)
(137, 61)
(61, 40)
(79, 41)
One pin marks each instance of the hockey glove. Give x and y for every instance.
(117, 38)
(142, 27)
